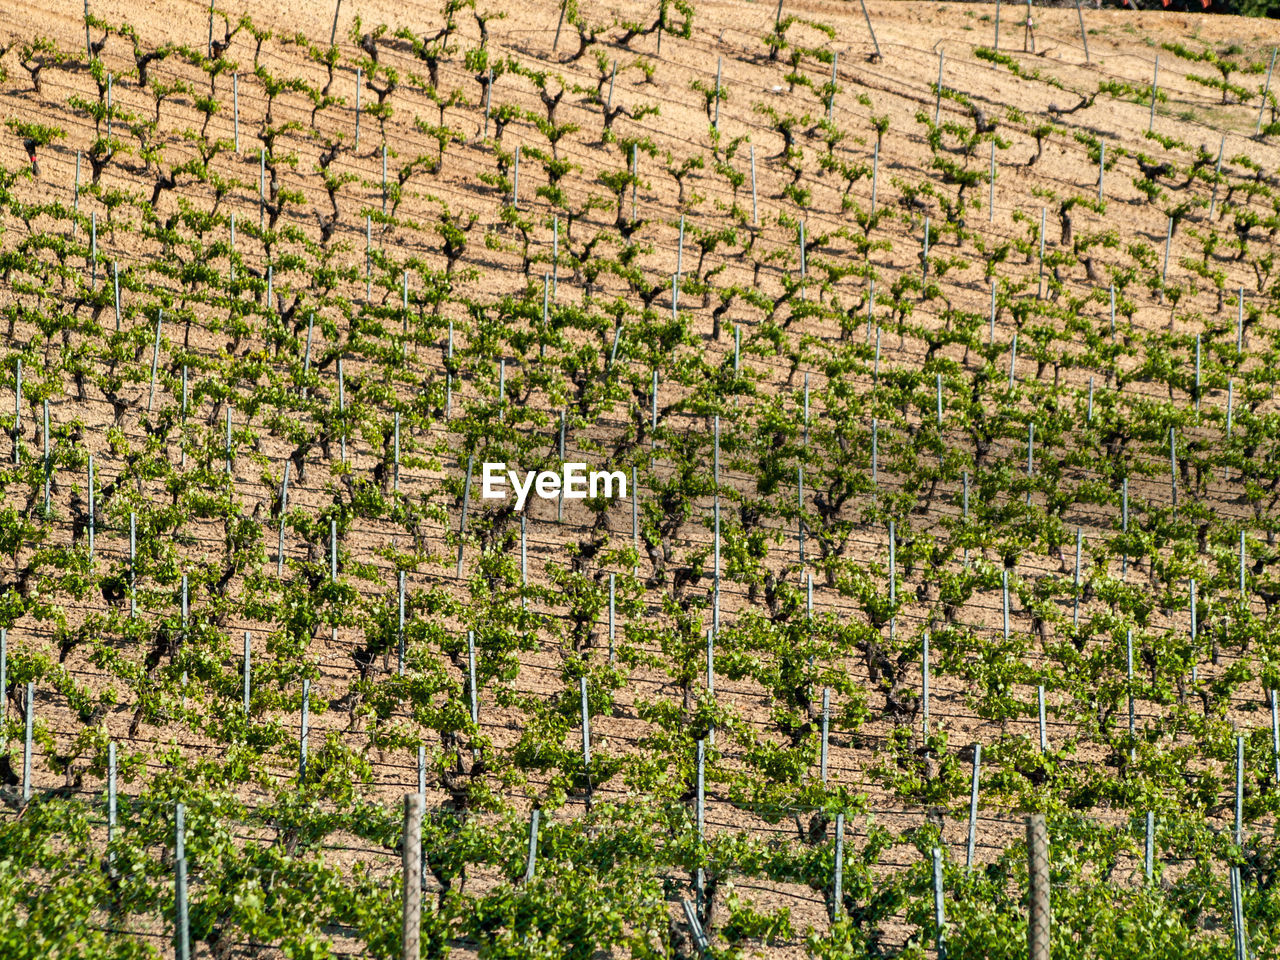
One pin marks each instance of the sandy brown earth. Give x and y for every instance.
(1122, 47)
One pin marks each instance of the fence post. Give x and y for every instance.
(612, 598)
(1149, 847)
(1044, 740)
(302, 735)
(1237, 915)
(973, 807)
(1155, 82)
(462, 522)
(411, 863)
(586, 736)
(939, 915)
(1128, 648)
(531, 862)
(17, 409)
(1239, 835)
(837, 885)
(111, 801)
(471, 677)
(284, 500)
(1275, 731)
(1265, 91)
(1038, 892)
(400, 626)
(247, 674)
(181, 931)
(26, 750)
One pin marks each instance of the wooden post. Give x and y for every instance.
(1038, 893)
(411, 866)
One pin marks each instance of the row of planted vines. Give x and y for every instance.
(946, 409)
